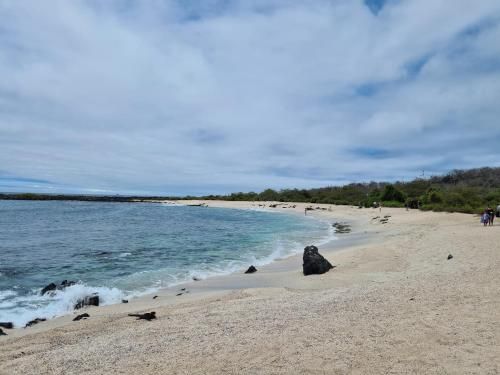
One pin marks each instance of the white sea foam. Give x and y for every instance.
(62, 302)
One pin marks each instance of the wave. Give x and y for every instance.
(20, 309)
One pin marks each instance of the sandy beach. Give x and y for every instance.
(394, 304)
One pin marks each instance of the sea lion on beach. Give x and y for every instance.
(146, 316)
(34, 321)
(81, 316)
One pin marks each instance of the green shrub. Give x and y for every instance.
(391, 193)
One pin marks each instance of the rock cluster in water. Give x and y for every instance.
(92, 300)
(52, 287)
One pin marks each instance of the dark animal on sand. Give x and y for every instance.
(81, 316)
(34, 321)
(8, 325)
(146, 316)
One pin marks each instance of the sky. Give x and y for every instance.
(183, 97)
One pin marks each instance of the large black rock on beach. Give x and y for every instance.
(314, 262)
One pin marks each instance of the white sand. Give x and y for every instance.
(394, 304)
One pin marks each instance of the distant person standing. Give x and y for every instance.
(485, 217)
(491, 216)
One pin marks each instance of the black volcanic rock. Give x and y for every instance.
(53, 287)
(8, 325)
(49, 288)
(251, 269)
(314, 262)
(2, 333)
(87, 301)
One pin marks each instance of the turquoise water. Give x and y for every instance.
(122, 250)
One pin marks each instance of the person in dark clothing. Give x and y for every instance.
(491, 214)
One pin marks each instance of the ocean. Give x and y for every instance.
(124, 250)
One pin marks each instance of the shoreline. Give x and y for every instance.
(394, 303)
(216, 284)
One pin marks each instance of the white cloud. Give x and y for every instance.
(164, 97)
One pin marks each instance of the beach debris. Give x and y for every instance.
(196, 279)
(179, 294)
(124, 300)
(92, 300)
(146, 316)
(342, 228)
(450, 256)
(412, 299)
(314, 262)
(2, 333)
(251, 269)
(52, 287)
(34, 321)
(8, 325)
(309, 209)
(155, 297)
(81, 316)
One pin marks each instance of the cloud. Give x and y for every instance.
(211, 96)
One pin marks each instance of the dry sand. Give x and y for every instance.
(393, 305)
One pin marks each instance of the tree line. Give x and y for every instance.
(468, 191)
